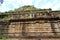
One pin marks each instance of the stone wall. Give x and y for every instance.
(33, 28)
(15, 28)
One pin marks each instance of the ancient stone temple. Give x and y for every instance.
(41, 24)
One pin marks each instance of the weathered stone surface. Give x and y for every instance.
(32, 26)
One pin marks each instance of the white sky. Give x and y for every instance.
(12, 4)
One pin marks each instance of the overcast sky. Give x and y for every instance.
(12, 4)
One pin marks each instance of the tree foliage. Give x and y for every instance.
(26, 8)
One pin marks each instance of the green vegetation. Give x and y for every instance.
(27, 8)
(3, 36)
